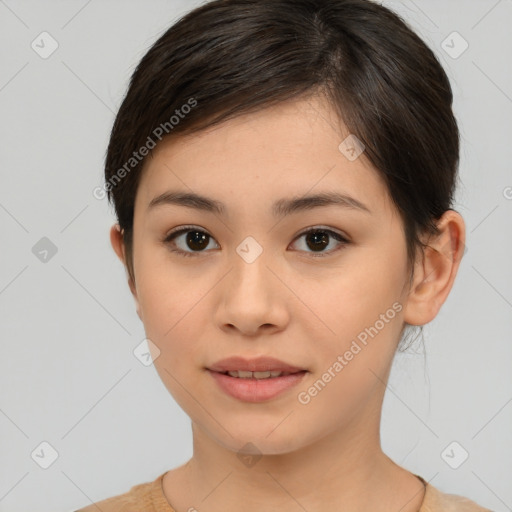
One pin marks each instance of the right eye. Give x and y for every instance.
(196, 239)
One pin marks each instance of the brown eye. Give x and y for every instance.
(196, 240)
(317, 239)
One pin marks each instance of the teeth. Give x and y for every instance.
(256, 375)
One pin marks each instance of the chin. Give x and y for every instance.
(256, 442)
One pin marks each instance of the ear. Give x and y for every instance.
(117, 241)
(435, 273)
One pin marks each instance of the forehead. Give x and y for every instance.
(291, 149)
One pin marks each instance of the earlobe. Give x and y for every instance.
(435, 272)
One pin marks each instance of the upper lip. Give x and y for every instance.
(258, 364)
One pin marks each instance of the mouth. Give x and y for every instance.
(257, 379)
(241, 374)
(247, 386)
(262, 367)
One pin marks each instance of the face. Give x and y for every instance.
(320, 285)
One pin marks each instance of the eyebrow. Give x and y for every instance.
(280, 208)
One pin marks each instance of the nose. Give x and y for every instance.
(252, 298)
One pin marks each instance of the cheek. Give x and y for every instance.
(352, 362)
(173, 301)
(356, 295)
(167, 292)
(356, 312)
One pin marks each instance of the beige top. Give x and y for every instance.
(150, 497)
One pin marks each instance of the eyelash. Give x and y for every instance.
(185, 229)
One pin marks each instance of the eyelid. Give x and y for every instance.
(183, 229)
(320, 227)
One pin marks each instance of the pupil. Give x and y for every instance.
(321, 239)
(195, 237)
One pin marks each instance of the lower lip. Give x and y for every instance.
(256, 390)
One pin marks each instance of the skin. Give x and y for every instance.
(289, 304)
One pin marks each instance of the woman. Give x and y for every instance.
(283, 173)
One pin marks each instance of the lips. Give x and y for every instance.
(256, 390)
(259, 364)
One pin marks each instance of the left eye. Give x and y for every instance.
(317, 238)
(198, 240)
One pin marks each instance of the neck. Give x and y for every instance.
(344, 470)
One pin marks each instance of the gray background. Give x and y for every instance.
(68, 324)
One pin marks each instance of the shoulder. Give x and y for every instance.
(438, 501)
(139, 497)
